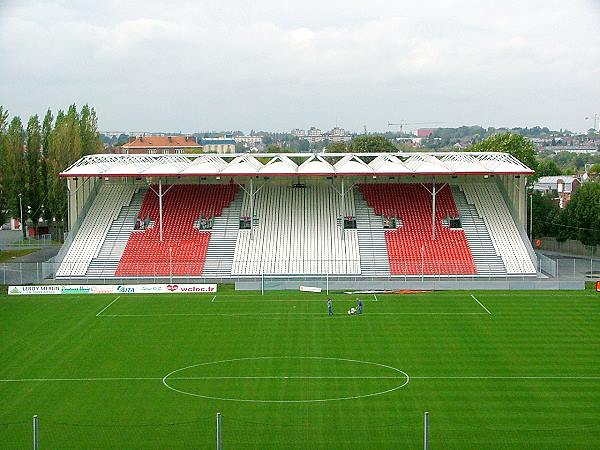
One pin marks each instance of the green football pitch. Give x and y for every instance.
(495, 370)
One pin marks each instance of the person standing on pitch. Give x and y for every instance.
(360, 306)
(329, 307)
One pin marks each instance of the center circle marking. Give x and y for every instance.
(405, 378)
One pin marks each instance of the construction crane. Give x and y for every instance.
(402, 123)
(595, 118)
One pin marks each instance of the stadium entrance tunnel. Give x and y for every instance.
(286, 379)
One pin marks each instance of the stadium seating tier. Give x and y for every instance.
(411, 249)
(182, 250)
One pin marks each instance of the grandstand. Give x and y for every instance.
(358, 215)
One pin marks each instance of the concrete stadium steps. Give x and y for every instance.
(223, 238)
(94, 228)
(105, 264)
(478, 237)
(506, 238)
(371, 239)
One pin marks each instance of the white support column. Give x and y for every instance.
(343, 211)
(433, 194)
(160, 208)
(251, 209)
(69, 206)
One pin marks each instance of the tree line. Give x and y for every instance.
(32, 155)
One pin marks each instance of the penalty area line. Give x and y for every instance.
(481, 304)
(107, 306)
(213, 299)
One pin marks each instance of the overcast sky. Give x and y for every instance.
(279, 64)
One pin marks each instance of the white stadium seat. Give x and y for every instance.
(297, 233)
(506, 239)
(88, 241)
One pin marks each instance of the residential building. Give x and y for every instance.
(224, 144)
(314, 135)
(161, 144)
(248, 141)
(425, 132)
(298, 132)
(583, 149)
(563, 187)
(338, 134)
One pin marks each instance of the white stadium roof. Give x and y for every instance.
(297, 164)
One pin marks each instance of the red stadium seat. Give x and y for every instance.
(183, 249)
(411, 249)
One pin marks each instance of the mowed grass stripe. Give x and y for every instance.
(534, 334)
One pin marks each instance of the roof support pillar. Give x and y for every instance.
(160, 208)
(251, 209)
(343, 211)
(433, 195)
(160, 195)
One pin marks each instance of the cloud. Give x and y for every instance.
(267, 64)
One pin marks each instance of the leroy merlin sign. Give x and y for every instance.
(78, 289)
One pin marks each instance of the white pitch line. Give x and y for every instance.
(375, 297)
(34, 380)
(509, 378)
(481, 304)
(107, 306)
(283, 377)
(297, 315)
(213, 299)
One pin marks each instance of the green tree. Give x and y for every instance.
(12, 166)
(273, 149)
(88, 126)
(47, 127)
(515, 144)
(546, 214)
(595, 169)
(582, 215)
(3, 174)
(64, 149)
(303, 145)
(547, 168)
(33, 172)
(337, 147)
(370, 144)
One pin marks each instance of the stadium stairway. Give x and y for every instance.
(224, 233)
(92, 233)
(503, 230)
(487, 261)
(371, 240)
(105, 264)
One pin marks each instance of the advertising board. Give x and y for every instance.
(78, 289)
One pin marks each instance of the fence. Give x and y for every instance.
(42, 240)
(569, 247)
(227, 432)
(45, 272)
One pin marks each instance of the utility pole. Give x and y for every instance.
(23, 226)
